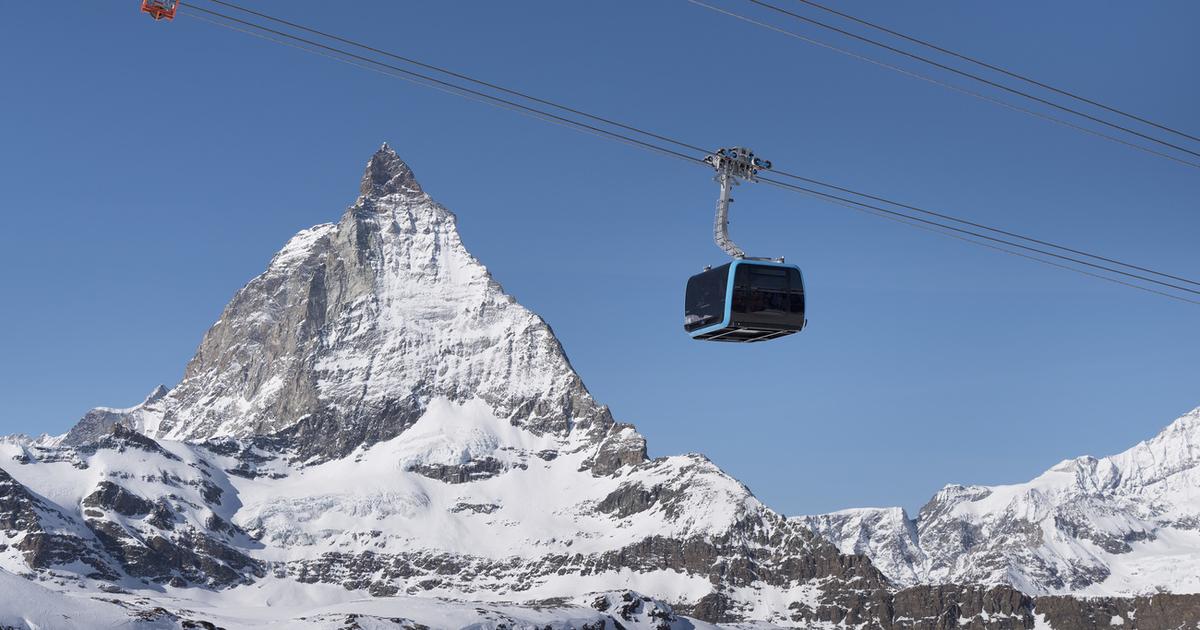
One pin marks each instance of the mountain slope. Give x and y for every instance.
(1122, 525)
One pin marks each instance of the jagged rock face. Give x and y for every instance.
(170, 530)
(1163, 610)
(1122, 525)
(950, 606)
(40, 535)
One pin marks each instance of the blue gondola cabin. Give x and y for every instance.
(744, 301)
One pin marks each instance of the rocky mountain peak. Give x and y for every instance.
(387, 174)
(356, 327)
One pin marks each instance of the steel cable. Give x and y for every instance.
(274, 35)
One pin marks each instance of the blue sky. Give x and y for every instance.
(148, 170)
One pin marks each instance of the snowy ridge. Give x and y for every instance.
(1128, 524)
(380, 522)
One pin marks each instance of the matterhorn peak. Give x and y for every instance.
(357, 328)
(387, 174)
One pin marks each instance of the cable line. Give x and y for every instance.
(775, 182)
(976, 77)
(466, 92)
(950, 86)
(996, 68)
(423, 79)
(456, 75)
(665, 138)
(846, 203)
(982, 226)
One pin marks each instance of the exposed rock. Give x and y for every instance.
(21, 518)
(18, 511)
(187, 557)
(110, 496)
(474, 470)
(387, 174)
(1107, 613)
(475, 508)
(950, 606)
(628, 499)
(119, 438)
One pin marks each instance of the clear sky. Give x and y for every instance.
(148, 170)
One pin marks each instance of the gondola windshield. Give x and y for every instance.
(706, 298)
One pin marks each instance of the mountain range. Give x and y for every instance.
(1114, 526)
(375, 435)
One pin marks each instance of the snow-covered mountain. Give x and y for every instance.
(886, 535)
(374, 435)
(1122, 525)
(356, 326)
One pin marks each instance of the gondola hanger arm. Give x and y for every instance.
(733, 165)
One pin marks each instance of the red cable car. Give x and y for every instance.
(160, 9)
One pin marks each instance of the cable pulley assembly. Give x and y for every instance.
(733, 166)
